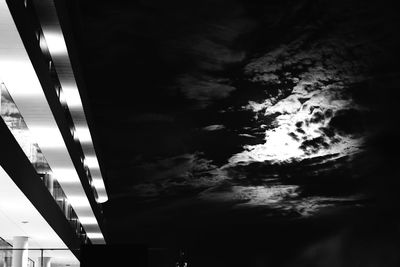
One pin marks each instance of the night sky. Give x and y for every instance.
(249, 133)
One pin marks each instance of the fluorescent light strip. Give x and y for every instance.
(56, 40)
(102, 199)
(98, 183)
(57, 48)
(87, 220)
(72, 97)
(92, 162)
(83, 134)
(78, 201)
(95, 235)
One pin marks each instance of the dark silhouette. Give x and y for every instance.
(182, 261)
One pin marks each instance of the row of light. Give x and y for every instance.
(69, 95)
(53, 42)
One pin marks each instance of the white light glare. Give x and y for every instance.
(95, 235)
(55, 43)
(65, 175)
(98, 183)
(102, 199)
(72, 96)
(47, 137)
(78, 201)
(83, 134)
(87, 220)
(91, 162)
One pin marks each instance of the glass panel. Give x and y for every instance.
(16, 124)
(12, 117)
(35, 257)
(5, 255)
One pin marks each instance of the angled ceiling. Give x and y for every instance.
(20, 218)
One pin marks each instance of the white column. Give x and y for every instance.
(20, 257)
(46, 262)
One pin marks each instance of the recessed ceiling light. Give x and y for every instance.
(91, 162)
(102, 199)
(24, 222)
(83, 134)
(98, 183)
(56, 43)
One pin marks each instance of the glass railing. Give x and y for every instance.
(6, 255)
(10, 114)
(38, 257)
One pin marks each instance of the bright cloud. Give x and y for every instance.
(303, 112)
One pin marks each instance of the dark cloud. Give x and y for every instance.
(204, 89)
(166, 46)
(317, 117)
(367, 243)
(169, 176)
(233, 113)
(210, 55)
(313, 145)
(349, 121)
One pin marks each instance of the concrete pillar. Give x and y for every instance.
(46, 262)
(20, 257)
